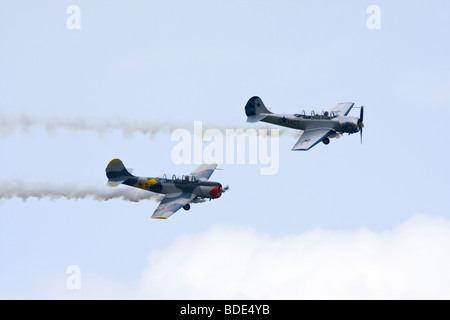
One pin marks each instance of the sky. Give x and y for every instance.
(84, 82)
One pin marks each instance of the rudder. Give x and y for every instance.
(255, 106)
(116, 172)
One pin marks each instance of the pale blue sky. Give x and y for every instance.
(176, 62)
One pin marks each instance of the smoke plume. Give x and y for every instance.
(9, 124)
(25, 190)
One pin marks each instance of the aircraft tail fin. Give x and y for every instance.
(116, 173)
(256, 110)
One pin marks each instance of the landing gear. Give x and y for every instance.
(187, 206)
(326, 141)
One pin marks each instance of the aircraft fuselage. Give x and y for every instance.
(300, 122)
(202, 189)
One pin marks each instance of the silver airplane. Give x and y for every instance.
(179, 193)
(316, 127)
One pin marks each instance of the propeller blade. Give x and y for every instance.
(361, 123)
(225, 189)
(361, 115)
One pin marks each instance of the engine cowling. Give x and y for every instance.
(216, 192)
(349, 124)
(211, 192)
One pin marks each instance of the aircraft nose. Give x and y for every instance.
(216, 192)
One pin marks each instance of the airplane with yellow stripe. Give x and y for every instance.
(179, 193)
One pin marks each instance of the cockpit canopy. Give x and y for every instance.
(190, 178)
(314, 115)
(183, 178)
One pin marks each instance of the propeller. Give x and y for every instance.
(360, 122)
(225, 189)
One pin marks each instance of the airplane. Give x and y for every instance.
(179, 193)
(316, 127)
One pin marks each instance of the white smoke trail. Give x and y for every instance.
(12, 123)
(25, 190)
(9, 124)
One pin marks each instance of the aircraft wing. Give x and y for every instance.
(204, 171)
(311, 137)
(169, 205)
(342, 109)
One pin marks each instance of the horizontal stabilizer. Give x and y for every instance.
(115, 183)
(256, 118)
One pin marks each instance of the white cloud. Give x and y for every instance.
(229, 262)
(409, 262)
